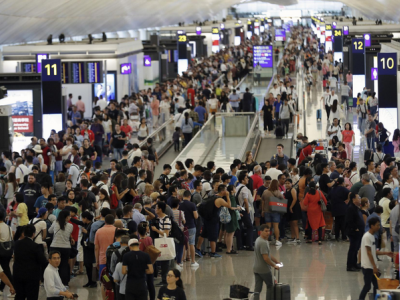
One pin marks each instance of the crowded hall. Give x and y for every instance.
(243, 150)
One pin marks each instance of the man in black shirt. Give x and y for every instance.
(136, 264)
(118, 140)
(31, 191)
(325, 183)
(164, 177)
(247, 101)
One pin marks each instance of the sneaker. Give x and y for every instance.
(291, 241)
(298, 241)
(194, 264)
(278, 243)
(215, 255)
(10, 296)
(198, 253)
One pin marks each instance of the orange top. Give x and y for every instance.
(104, 238)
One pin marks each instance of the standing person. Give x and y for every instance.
(155, 111)
(263, 261)
(118, 140)
(355, 230)
(362, 112)
(53, 285)
(234, 100)
(396, 142)
(190, 211)
(349, 79)
(29, 263)
(383, 134)
(315, 216)
(143, 131)
(174, 289)
(104, 237)
(373, 104)
(136, 264)
(245, 200)
(268, 116)
(284, 116)
(80, 105)
(187, 129)
(339, 196)
(369, 261)
(294, 211)
(31, 191)
(348, 139)
(62, 241)
(369, 132)
(345, 91)
(327, 102)
(5, 236)
(98, 131)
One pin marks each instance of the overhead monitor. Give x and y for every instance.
(78, 72)
(39, 58)
(263, 55)
(94, 71)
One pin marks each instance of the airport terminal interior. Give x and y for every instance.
(91, 64)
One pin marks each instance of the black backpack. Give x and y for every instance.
(206, 208)
(177, 233)
(109, 252)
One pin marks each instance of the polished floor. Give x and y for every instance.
(317, 271)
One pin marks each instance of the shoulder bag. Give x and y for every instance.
(322, 203)
(7, 248)
(278, 205)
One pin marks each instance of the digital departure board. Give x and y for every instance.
(78, 72)
(29, 67)
(263, 55)
(280, 35)
(94, 71)
(65, 72)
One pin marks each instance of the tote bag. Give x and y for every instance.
(278, 205)
(166, 245)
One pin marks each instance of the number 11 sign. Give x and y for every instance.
(51, 70)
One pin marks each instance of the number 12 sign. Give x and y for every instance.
(358, 46)
(51, 70)
(387, 63)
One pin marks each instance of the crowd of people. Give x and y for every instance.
(69, 216)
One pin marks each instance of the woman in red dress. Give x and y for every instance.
(315, 216)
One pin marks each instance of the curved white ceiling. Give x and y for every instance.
(32, 20)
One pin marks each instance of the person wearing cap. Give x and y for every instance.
(135, 265)
(41, 227)
(337, 172)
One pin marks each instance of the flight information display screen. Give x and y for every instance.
(94, 71)
(263, 55)
(78, 72)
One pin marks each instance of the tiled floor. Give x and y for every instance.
(318, 271)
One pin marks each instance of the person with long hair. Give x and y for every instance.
(187, 129)
(268, 116)
(249, 161)
(62, 241)
(143, 130)
(233, 225)
(117, 187)
(10, 188)
(315, 216)
(132, 191)
(104, 200)
(144, 242)
(339, 196)
(174, 288)
(355, 230)
(396, 142)
(271, 218)
(349, 139)
(294, 211)
(383, 134)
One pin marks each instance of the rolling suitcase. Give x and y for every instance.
(279, 132)
(281, 290)
(319, 115)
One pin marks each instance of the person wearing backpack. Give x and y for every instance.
(41, 228)
(379, 155)
(127, 221)
(179, 216)
(119, 278)
(146, 241)
(362, 112)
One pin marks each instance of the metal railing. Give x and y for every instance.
(162, 137)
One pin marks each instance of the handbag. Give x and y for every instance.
(7, 248)
(153, 252)
(322, 203)
(239, 291)
(278, 205)
(166, 245)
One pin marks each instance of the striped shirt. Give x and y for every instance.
(165, 224)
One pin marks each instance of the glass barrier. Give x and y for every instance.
(162, 136)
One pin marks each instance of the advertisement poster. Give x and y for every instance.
(21, 102)
(263, 55)
(99, 88)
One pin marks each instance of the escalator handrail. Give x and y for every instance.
(246, 141)
(155, 132)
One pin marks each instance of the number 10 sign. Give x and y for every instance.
(387, 63)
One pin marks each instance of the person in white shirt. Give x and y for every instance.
(326, 98)
(332, 83)
(273, 172)
(369, 261)
(181, 100)
(275, 90)
(281, 88)
(212, 104)
(135, 151)
(74, 173)
(52, 281)
(334, 130)
(20, 171)
(362, 112)
(345, 91)
(102, 103)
